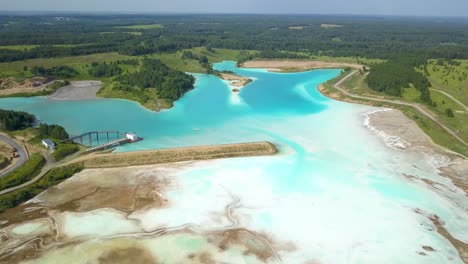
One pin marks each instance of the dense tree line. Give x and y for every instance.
(169, 83)
(13, 120)
(104, 69)
(52, 131)
(272, 54)
(55, 72)
(48, 51)
(371, 37)
(393, 76)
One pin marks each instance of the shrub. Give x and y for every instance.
(449, 112)
(23, 174)
(64, 150)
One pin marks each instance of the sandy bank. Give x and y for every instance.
(178, 155)
(398, 131)
(79, 90)
(296, 65)
(235, 80)
(408, 136)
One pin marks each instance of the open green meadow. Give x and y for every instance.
(451, 77)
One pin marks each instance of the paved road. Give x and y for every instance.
(451, 97)
(398, 102)
(22, 155)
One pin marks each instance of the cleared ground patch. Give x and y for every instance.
(297, 27)
(79, 90)
(330, 26)
(149, 26)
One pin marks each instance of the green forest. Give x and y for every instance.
(392, 76)
(13, 120)
(62, 72)
(170, 84)
(52, 131)
(370, 37)
(104, 69)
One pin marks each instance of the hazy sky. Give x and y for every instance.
(372, 7)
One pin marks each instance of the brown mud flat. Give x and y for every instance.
(296, 65)
(134, 249)
(460, 246)
(126, 190)
(140, 158)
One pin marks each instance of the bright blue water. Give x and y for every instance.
(207, 107)
(333, 177)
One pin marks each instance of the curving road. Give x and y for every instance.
(22, 155)
(398, 102)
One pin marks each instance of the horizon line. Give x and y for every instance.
(45, 12)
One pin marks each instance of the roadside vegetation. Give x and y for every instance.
(64, 150)
(25, 173)
(20, 123)
(52, 178)
(3, 162)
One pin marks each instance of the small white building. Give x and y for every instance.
(131, 136)
(48, 143)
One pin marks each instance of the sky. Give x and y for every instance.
(362, 7)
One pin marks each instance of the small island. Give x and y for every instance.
(238, 82)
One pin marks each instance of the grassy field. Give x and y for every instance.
(149, 26)
(15, 69)
(358, 60)
(19, 47)
(26, 47)
(452, 79)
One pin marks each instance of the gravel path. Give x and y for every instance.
(79, 90)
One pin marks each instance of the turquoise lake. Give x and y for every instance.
(335, 190)
(207, 107)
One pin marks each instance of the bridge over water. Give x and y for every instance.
(96, 138)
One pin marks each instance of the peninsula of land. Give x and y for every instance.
(297, 65)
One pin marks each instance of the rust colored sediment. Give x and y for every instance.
(178, 155)
(461, 247)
